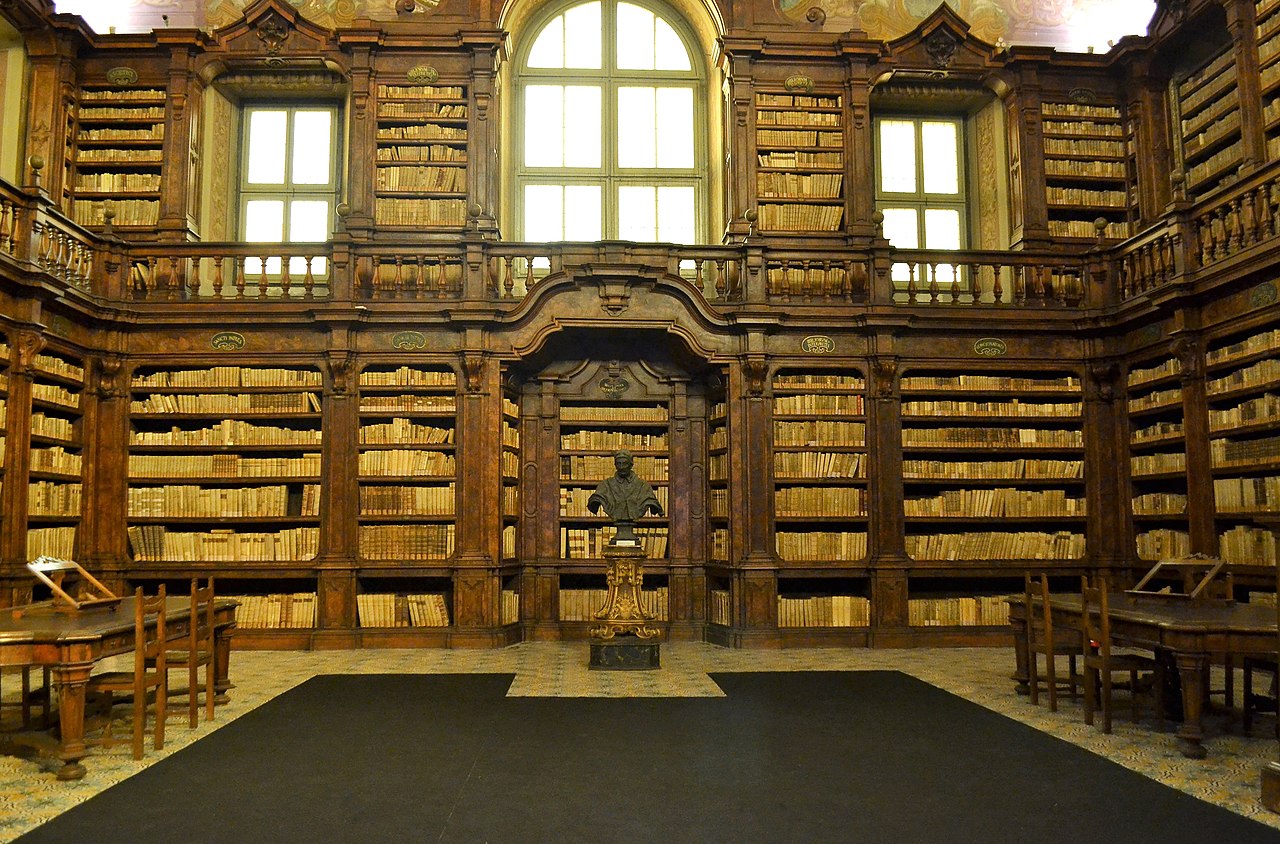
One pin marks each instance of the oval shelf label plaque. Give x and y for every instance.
(227, 341)
(990, 347)
(409, 340)
(818, 344)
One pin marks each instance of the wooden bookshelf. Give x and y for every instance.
(56, 455)
(1087, 170)
(1266, 18)
(224, 470)
(718, 505)
(509, 471)
(819, 468)
(421, 158)
(1242, 386)
(1157, 458)
(407, 465)
(117, 148)
(834, 603)
(1207, 108)
(1002, 451)
(800, 164)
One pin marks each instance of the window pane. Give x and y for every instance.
(312, 143)
(264, 221)
(897, 156)
(901, 228)
(544, 126)
(548, 50)
(582, 217)
(308, 220)
(637, 211)
(941, 143)
(675, 127)
(941, 228)
(582, 36)
(669, 51)
(266, 147)
(543, 213)
(637, 124)
(676, 215)
(635, 37)
(582, 126)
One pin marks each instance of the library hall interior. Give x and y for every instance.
(685, 420)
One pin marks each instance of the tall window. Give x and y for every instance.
(920, 185)
(608, 104)
(288, 180)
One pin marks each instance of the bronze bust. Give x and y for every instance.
(625, 498)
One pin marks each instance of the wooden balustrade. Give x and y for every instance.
(806, 279)
(64, 251)
(966, 278)
(421, 276)
(9, 210)
(1149, 261)
(1250, 215)
(220, 272)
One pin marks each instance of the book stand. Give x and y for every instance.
(52, 572)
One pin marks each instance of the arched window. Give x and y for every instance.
(608, 145)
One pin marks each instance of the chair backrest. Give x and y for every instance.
(1039, 614)
(1095, 629)
(149, 640)
(201, 638)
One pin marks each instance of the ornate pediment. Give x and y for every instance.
(275, 29)
(940, 47)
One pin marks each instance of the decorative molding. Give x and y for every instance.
(1102, 381)
(341, 364)
(122, 76)
(473, 368)
(884, 373)
(273, 32)
(111, 383)
(756, 373)
(613, 384)
(941, 47)
(26, 345)
(1187, 351)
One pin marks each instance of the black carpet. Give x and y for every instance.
(817, 756)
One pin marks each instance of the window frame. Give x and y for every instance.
(610, 176)
(921, 200)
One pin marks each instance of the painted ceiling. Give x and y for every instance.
(1066, 24)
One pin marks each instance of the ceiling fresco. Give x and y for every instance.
(1068, 24)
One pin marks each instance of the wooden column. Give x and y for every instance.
(540, 505)
(859, 153)
(104, 545)
(753, 557)
(362, 141)
(180, 187)
(478, 517)
(484, 167)
(687, 511)
(1026, 149)
(15, 588)
(1253, 142)
(1106, 460)
(886, 543)
(51, 88)
(1195, 431)
(339, 496)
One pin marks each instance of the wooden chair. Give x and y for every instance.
(1101, 663)
(148, 673)
(1260, 701)
(197, 651)
(1044, 639)
(25, 700)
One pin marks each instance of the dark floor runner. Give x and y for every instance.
(816, 756)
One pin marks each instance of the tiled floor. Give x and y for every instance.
(29, 794)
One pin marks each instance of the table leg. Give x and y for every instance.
(72, 680)
(1191, 669)
(222, 664)
(1021, 671)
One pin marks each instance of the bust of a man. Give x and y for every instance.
(624, 497)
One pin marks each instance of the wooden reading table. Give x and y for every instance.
(1189, 632)
(70, 641)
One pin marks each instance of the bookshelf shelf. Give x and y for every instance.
(800, 142)
(1267, 39)
(1157, 458)
(56, 452)
(116, 147)
(1087, 171)
(421, 156)
(1207, 111)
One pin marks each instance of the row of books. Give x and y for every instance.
(801, 159)
(1215, 165)
(112, 156)
(454, 92)
(508, 543)
(187, 501)
(55, 459)
(445, 179)
(1264, 342)
(797, 118)
(1014, 407)
(222, 466)
(1206, 133)
(420, 212)
(1228, 452)
(629, 413)
(582, 604)
(290, 610)
(597, 467)
(1159, 398)
(376, 609)
(508, 606)
(1083, 196)
(405, 431)
(718, 612)
(797, 100)
(55, 394)
(1158, 431)
(422, 132)
(1084, 146)
(407, 404)
(407, 500)
(1086, 229)
(594, 439)
(1249, 546)
(573, 500)
(408, 376)
(208, 403)
(990, 383)
(117, 182)
(128, 212)
(831, 432)
(1255, 495)
(825, 381)
(997, 502)
(1264, 372)
(1157, 464)
(821, 545)
(1071, 167)
(55, 427)
(1026, 468)
(1163, 544)
(229, 376)
(57, 542)
(403, 461)
(800, 217)
(814, 185)
(1164, 369)
(720, 544)
(52, 499)
(1159, 504)
(976, 611)
(127, 113)
(1079, 110)
(157, 543)
(422, 108)
(820, 501)
(406, 542)
(822, 611)
(589, 543)
(798, 138)
(812, 403)
(1004, 545)
(993, 437)
(88, 96)
(1083, 127)
(819, 464)
(228, 432)
(422, 152)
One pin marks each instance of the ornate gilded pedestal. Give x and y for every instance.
(623, 637)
